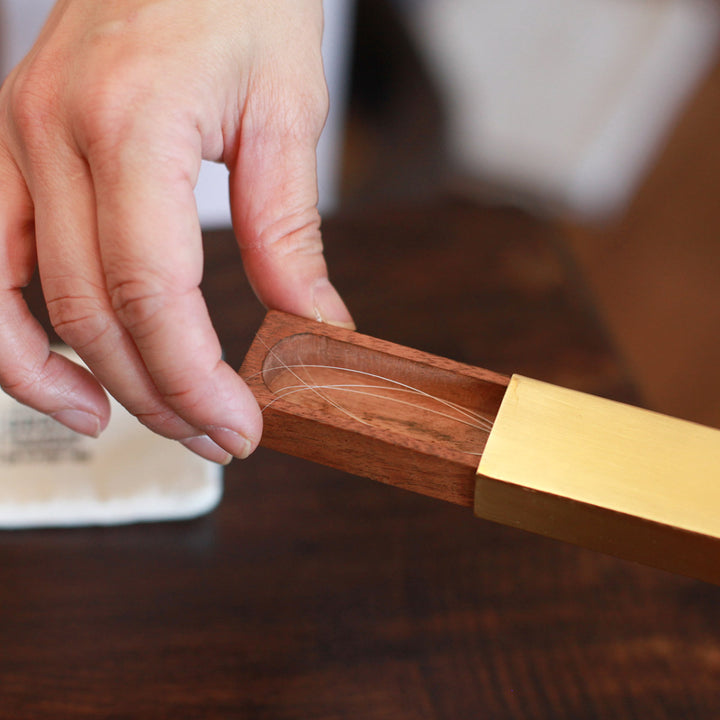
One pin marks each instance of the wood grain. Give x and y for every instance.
(397, 415)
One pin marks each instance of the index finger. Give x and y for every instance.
(151, 252)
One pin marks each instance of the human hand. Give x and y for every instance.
(102, 130)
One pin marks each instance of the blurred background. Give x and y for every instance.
(595, 120)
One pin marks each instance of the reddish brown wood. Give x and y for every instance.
(417, 440)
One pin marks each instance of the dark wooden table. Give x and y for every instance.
(313, 594)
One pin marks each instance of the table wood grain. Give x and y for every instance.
(310, 593)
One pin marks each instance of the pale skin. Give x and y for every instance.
(102, 130)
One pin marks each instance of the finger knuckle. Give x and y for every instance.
(79, 321)
(294, 236)
(314, 105)
(106, 110)
(19, 380)
(289, 106)
(307, 111)
(31, 105)
(186, 395)
(138, 305)
(115, 94)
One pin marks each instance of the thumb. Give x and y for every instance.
(273, 194)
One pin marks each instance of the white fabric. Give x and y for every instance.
(51, 476)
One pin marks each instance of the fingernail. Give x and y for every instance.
(234, 443)
(328, 307)
(206, 448)
(79, 421)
